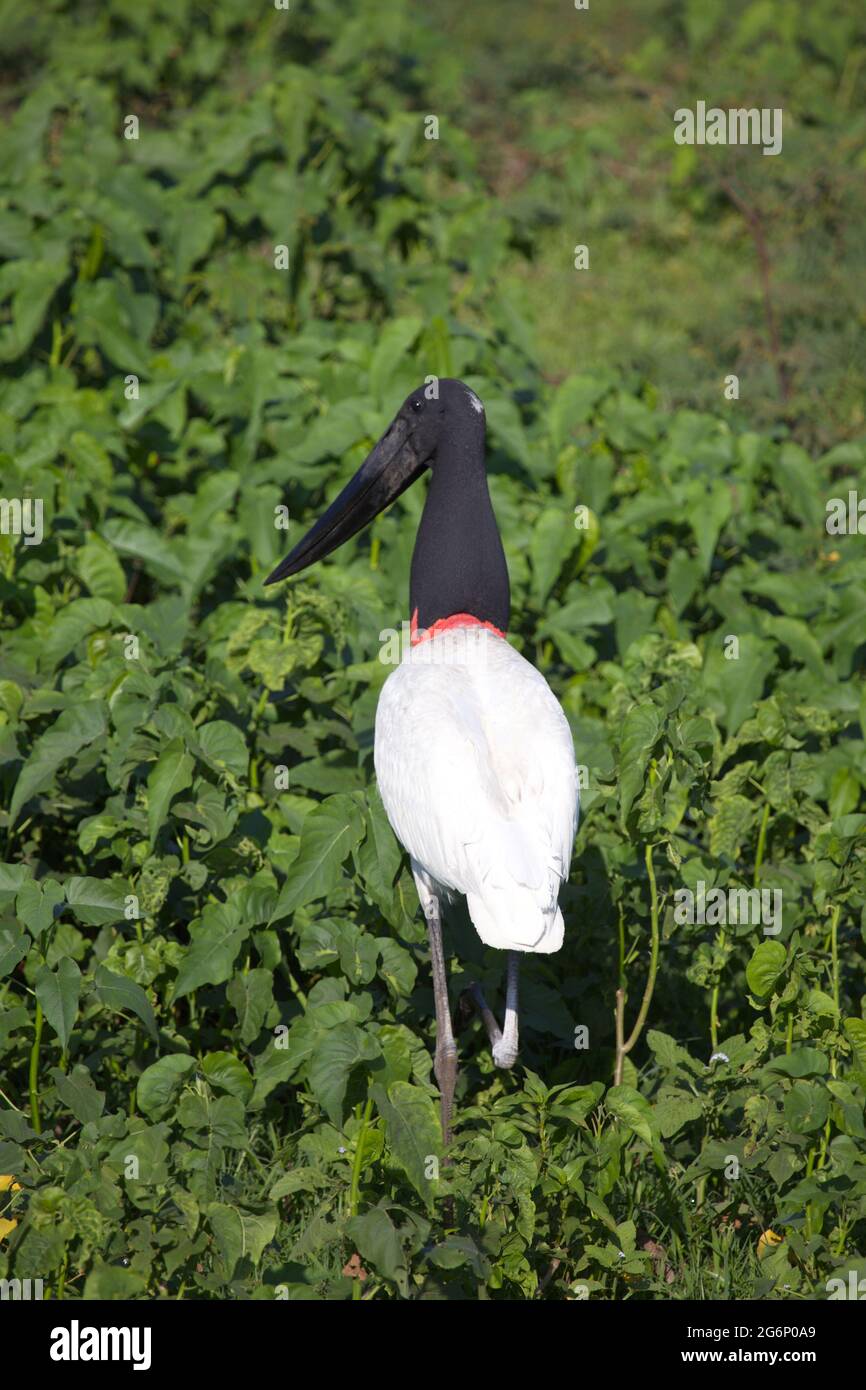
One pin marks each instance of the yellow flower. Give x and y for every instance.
(8, 1184)
(768, 1240)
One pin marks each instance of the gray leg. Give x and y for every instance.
(445, 1061)
(503, 1041)
(505, 1055)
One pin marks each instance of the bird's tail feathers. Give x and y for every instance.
(514, 921)
(516, 906)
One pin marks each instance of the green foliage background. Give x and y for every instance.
(215, 1009)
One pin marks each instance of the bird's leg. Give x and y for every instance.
(505, 1055)
(503, 1041)
(445, 1060)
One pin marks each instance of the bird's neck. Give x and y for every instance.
(458, 565)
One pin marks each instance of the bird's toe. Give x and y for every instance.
(504, 1053)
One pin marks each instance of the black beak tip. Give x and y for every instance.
(281, 572)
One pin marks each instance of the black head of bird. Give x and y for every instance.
(458, 564)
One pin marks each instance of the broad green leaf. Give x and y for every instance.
(731, 826)
(79, 1094)
(104, 318)
(72, 731)
(335, 1055)
(228, 1073)
(708, 511)
(782, 1166)
(641, 729)
(224, 747)
(158, 555)
(171, 774)
(319, 943)
(215, 941)
(671, 1054)
(297, 1180)
(673, 1109)
(329, 834)
(160, 1084)
(147, 1145)
(379, 1245)
(12, 879)
(240, 1234)
(221, 1121)
(734, 683)
(251, 995)
(394, 341)
(553, 539)
(96, 902)
(58, 992)
(276, 1065)
(766, 965)
(396, 1055)
(71, 625)
(359, 954)
(398, 968)
(14, 945)
(574, 1103)
(807, 1106)
(379, 855)
(455, 1251)
(413, 1132)
(124, 995)
(803, 1061)
(635, 1112)
(684, 576)
(855, 1031)
(572, 406)
(106, 1281)
(36, 903)
(101, 570)
(35, 283)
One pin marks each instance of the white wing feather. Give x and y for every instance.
(475, 764)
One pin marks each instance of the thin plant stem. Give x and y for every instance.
(34, 1069)
(762, 844)
(622, 1047)
(714, 999)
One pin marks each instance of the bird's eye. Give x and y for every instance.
(416, 404)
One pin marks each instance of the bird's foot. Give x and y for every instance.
(503, 1044)
(505, 1052)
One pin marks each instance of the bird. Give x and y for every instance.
(473, 754)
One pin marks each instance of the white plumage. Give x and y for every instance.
(475, 764)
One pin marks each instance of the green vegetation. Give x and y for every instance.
(215, 1005)
(704, 260)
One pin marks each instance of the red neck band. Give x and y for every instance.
(456, 620)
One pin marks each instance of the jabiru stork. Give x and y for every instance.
(474, 757)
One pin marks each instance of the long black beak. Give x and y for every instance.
(391, 467)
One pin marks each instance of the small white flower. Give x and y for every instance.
(341, 1149)
(719, 1057)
